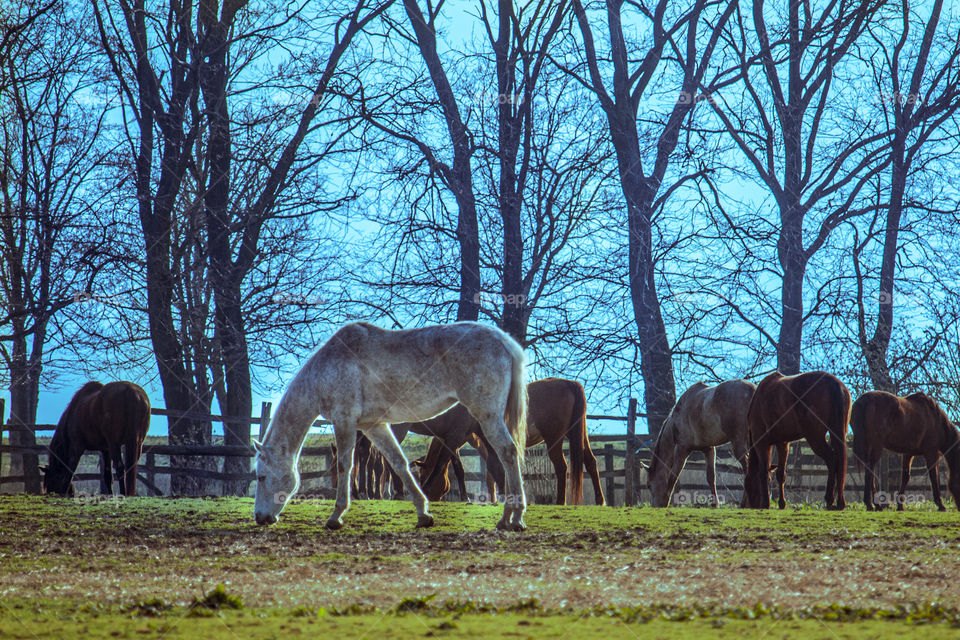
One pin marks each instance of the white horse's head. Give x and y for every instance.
(277, 481)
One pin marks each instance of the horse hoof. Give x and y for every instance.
(503, 525)
(424, 520)
(334, 523)
(519, 526)
(941, 508)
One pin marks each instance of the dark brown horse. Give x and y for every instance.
(912, 426)
(787, 408)
(104, 418)
(556, 411)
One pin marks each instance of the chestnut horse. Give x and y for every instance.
(104, 418)
(557, 410)
(912, 426)
(787, 408)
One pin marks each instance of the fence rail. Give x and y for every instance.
(621, 458)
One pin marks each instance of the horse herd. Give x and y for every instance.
(464, 383)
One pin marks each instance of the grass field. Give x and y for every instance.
(148, 567)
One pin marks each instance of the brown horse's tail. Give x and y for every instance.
(516, 413)
(579, 441)
(752, 481)
(840, 403)
(138, 414)
(858, 424)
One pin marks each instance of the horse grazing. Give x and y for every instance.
(104, 418)
(557, 411)
(365, 377)
(788, 408)
(704, 418)
(912, 426)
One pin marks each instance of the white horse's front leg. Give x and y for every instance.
(386, 443)
(346, 438)
(514, 500)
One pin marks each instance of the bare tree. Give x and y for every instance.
(50, 236)
(642, 173)
(781, 117)
(919, 88)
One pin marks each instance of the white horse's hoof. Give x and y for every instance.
(334, 523)
(505, 525)
(424, 520)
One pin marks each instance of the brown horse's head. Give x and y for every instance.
(661, 462)
(57, 480)
(952, 456)
(434, 467)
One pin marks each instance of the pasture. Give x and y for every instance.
(152, 567)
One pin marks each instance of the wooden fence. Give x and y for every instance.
(621, 459)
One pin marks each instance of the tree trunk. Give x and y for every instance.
(656, 363)
(24, 391)
(875, 349)
(224, 278)
(461, 173)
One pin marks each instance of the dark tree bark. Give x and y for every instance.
(459, 175)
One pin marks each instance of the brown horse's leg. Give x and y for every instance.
(590, 464)
(106, 478)
(783, 451)
(555, 453)
(710, 460)
(118, 467)
(763, 462)
(904, 480)
(870, 481)
(457, 463)
(933, 466)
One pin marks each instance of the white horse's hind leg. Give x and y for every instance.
(386, 443)
(514, 500)
(346, 438)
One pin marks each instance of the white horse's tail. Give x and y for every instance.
(516, 414)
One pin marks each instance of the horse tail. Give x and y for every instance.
(752, 481)
(840, 418)
(858, 420)
(138, 416)
(516, 413)
(579, 441)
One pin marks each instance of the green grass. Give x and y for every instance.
(153, 566)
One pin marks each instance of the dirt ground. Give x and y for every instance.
(570, 558)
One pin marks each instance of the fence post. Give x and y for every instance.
(265, 409)
(630, 464)
(608, 467)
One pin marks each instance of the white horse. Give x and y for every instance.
(703, 418)
(365, 377)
